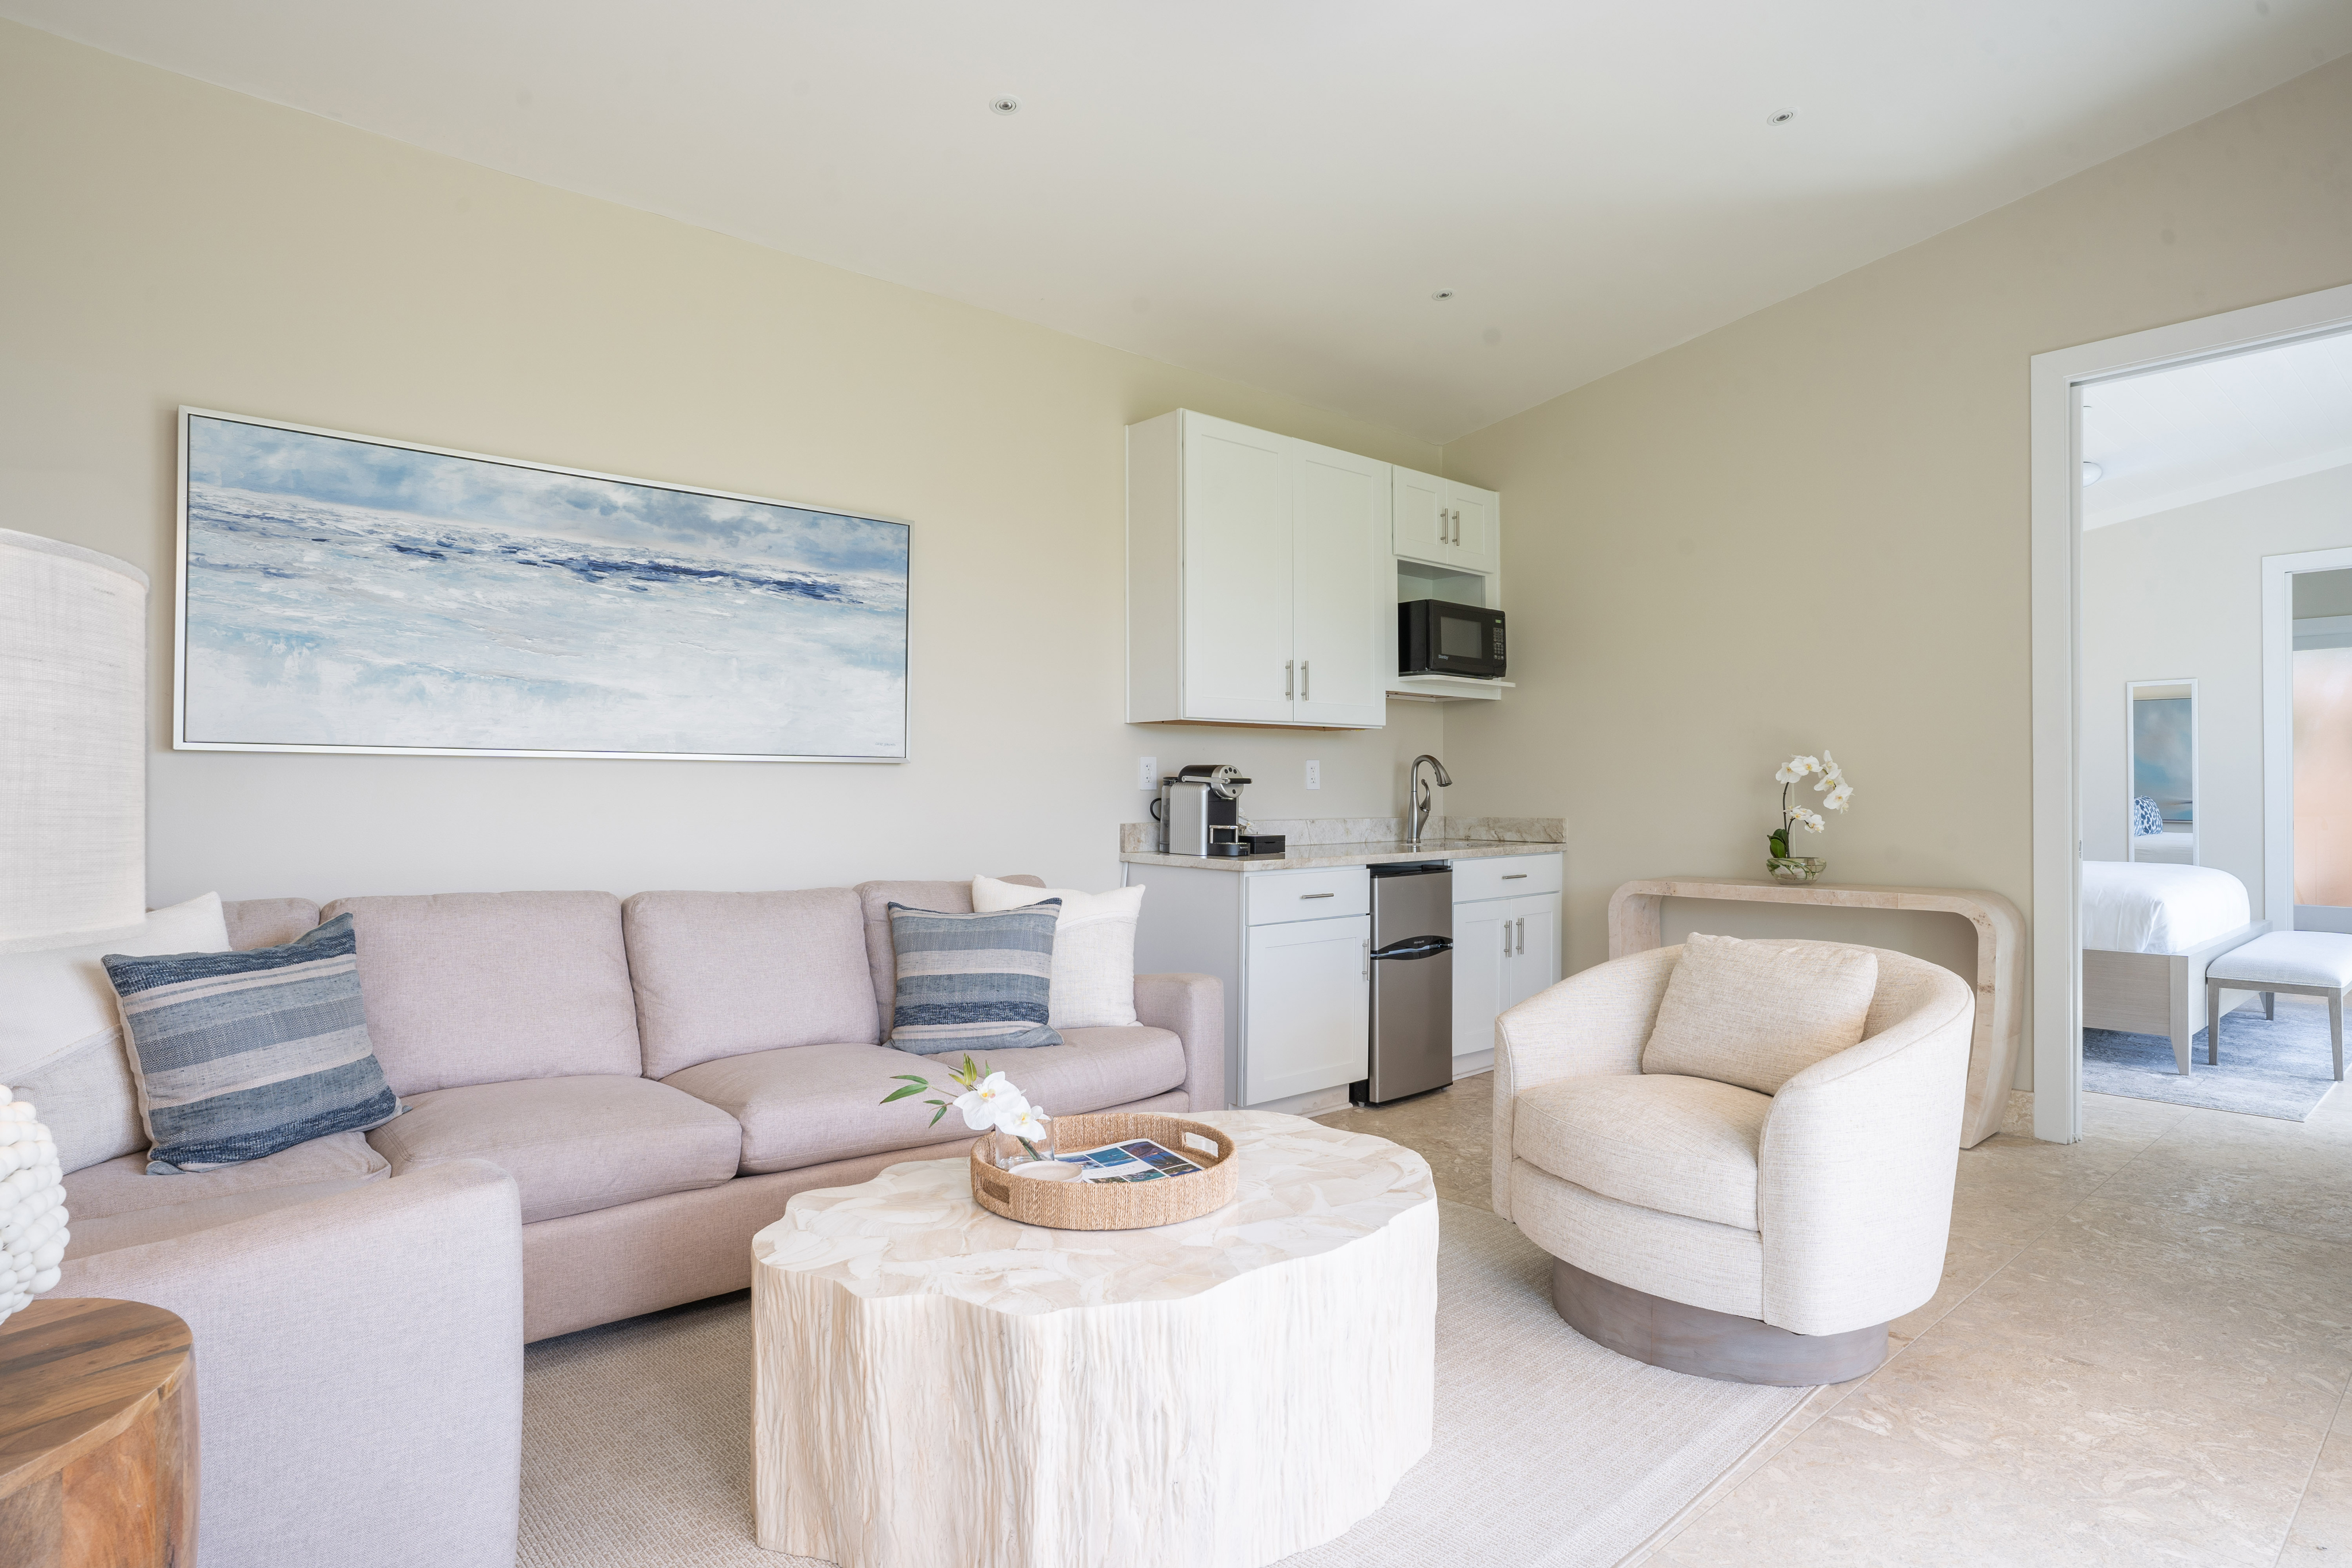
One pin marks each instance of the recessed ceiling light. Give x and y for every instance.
(1004, 105)
(1443, 294)
(1781, 117)
(2091, 472)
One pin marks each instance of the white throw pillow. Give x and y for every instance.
(61, 1038)
(1758, 1013)
(1093, 948)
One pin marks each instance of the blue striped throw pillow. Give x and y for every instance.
(973, 982)
(239, 1055)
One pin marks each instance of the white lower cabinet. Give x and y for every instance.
(1505, 949)
(1310, 1005)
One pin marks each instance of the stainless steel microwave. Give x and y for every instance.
(1434, 638)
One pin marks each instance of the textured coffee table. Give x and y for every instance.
(940, 1387)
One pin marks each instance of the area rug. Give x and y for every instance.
(1550, 1451)
(2281, 1067)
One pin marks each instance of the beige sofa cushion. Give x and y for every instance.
(875, 897)
(1758, 1013)
(486, 988)
(811, 1103)
(1680, 1145)
(571, 1144)
(268, 922)
(117, 1204)
(719, 974)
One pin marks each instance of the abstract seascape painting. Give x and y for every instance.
(340, 593)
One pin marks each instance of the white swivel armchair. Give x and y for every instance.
(1701, 1226)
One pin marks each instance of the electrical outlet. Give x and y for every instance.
(1146, 773)
(1315, 776)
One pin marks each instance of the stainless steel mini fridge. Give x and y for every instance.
(1412, 983)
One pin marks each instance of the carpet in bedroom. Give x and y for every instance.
(1549, 1450)
(2280, 1067)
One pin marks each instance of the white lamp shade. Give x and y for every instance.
(73, 741)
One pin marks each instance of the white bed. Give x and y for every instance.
(2170, 847)
(2148, 931)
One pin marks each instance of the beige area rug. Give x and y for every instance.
(1550, 1451)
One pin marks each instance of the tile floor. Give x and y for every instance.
(2139, 1355)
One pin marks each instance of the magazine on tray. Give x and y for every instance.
(1137, 1159)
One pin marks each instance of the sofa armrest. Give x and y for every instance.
(1591, 1023)
(359, 1371)
(1855, 1171)
(1192, 1008)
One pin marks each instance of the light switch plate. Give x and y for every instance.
(1315, 776)
(1146, 773)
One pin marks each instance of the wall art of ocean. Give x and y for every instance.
(345, 593)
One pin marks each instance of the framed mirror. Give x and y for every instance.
(2161, 737)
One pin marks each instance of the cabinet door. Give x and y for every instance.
(1310, 1023)
(1346, 589)
(1475, 526)
(1419, 531)
(1535, 947)
(1238, 564)
(1481, 967)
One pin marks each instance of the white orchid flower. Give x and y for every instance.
(1797, 767)
(1027, 1122)
(1809, 821)
(988, 1102)
(1830, 772)
(1836, 798)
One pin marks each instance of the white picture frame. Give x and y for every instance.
(346, 593)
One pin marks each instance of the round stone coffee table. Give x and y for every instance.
(937, 1386)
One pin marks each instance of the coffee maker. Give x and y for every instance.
(1200, 811)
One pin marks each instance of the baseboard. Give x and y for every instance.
(1478, 1062)
(1314, 1103)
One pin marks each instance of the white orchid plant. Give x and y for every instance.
(1828, 782)
(988, 1101)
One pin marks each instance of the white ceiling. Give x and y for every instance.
(2195, 432)
(1272, 189)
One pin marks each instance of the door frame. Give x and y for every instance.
(2054, 475)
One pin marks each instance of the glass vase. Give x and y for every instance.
(1006, 1150)
(1796, 868)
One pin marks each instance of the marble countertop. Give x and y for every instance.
(914, 1230)
(1376, 852)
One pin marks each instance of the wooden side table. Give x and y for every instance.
(1634, 928)
(97, 1437)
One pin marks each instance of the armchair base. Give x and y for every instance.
(1707, 1344)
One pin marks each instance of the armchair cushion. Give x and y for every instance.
(1680, 1145)
(1758, 1013)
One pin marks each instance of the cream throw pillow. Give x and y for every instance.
(61, 1038)
(1758, 1013)
(1093, 948)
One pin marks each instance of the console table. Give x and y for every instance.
(2000, 958)
(97, 1437)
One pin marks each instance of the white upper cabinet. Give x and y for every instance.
(1260, 587)
(1443, 522)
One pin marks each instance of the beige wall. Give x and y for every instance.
(1810, 528)
(169, 242)
(2179, 595)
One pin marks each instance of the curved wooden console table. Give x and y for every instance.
(2000, 958)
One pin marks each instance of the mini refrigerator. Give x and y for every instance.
(1412, 983)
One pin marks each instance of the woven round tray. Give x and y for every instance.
(1115, 1206)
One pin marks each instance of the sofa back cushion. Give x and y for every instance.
(1756, 1014)
(268, 922)
(876, 897)
(721, 974)
(486, 987)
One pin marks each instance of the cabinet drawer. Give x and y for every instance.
(1504, 876)
(1279, 895)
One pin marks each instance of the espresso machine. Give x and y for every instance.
(1200, 811)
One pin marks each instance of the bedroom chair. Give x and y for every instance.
(1711, 1228)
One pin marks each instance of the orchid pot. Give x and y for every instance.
(1830, 783)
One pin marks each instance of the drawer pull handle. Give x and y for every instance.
(1318, 895)
(1515, 876)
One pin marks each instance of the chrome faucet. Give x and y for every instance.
(1418, 799)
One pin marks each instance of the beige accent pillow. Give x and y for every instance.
(1093, 948)
(1758, 1013)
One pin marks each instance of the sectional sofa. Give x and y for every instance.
(606, 1100)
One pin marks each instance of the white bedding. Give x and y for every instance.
(2167, 848)
(2139, 908)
